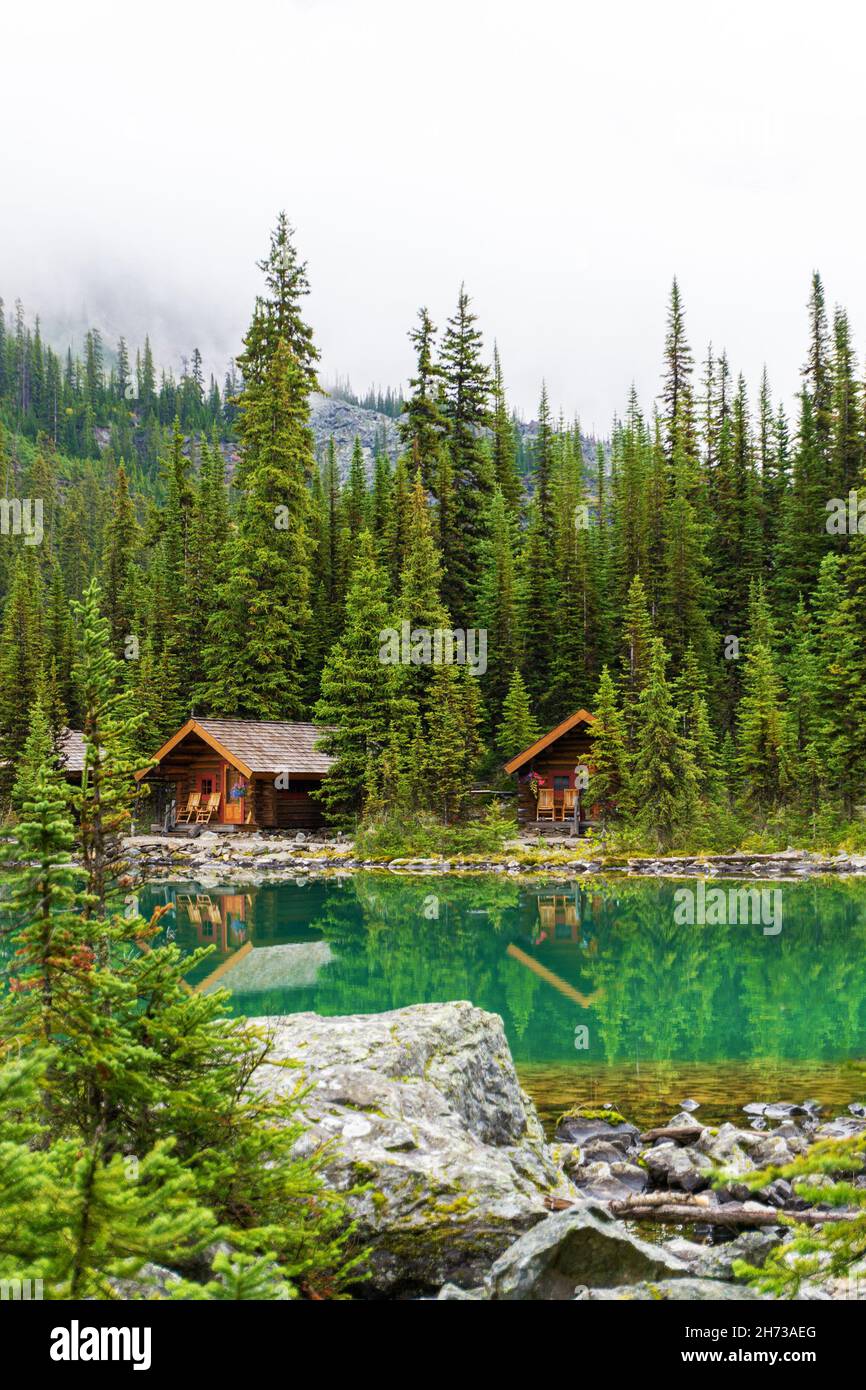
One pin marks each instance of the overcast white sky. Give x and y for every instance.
(563, 158)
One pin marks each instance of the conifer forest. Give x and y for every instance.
(432, 673)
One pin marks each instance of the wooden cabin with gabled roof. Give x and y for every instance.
(551, 776)
(228, 774)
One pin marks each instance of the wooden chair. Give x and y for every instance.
(545, 810)
(547, 914)
(210, 807)
(569, 797)
(189, 810)
(209, 909)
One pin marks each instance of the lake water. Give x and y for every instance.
(606, 992)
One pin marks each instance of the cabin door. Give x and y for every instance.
(234, 799)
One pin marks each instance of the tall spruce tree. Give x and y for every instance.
(362, 695)
(467, 389)
(664, 783)
(256, 652)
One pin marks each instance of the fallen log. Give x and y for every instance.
(684, 1132)
(725, 1214)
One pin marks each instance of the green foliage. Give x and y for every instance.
(363, 696)
(664, 784)
(395, 836)
(825, 1174)
(518, 728)
(134, 1125)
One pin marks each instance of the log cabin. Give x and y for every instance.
(71, 754)
(555, 760)
(255, 774)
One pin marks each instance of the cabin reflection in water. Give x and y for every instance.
(217, 920)
(232, 923)
(547, 955)
(280, 937)
(560, 920)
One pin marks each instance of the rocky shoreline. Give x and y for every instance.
(457, 1194)
(214, 859)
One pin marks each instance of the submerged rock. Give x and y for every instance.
(584, 1123)
(424, 1110)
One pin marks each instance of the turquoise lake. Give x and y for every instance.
(604, 993)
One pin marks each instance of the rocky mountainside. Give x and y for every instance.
(333, 418)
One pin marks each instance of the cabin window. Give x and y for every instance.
(561, 782)
(206, 786)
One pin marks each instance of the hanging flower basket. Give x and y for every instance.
(535, 782)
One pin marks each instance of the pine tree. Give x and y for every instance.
(381, 503)
(256, 653)
(517, 728)
(22, 653)
(636, 646)
(139, 1095)
(277, 317)
(542, 460)
(355, 496)
(466, 392)
(684, 597)
(846, 426)
(536, 599)
(498, 612)
(38, 756)
(118, 564)
(664, 784)
(574, 616)
(420, 602)
(679, 420)
(422, 424)
(208, 531)
(504, 449)
(362, 690)
(803, 536)
(609, 784)
(817, 370)
(330, 575)
(760, 728)
(452, 746)
(107, 793)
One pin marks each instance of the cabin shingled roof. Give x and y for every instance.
(271, 745)
(72, 750)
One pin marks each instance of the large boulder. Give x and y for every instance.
(424, 1112)
(572, 1249)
